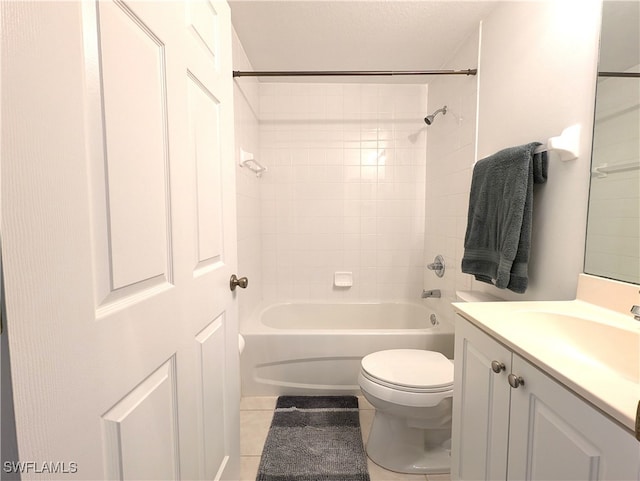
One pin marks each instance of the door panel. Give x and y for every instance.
(202, 19)
(570, 456)
(140, 431)
(204, 125)
(212, 404)
(136, 153)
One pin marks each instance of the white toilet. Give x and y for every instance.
(412, 392)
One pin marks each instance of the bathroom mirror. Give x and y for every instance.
(613, 226)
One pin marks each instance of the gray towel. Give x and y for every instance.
(498, 237)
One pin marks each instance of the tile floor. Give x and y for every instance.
(255, 419)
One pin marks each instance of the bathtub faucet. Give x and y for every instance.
(431, 293)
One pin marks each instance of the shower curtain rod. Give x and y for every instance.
(619, 74)
(342, 73)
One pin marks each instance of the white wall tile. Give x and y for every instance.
(344, 165)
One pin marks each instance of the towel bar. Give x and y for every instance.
(603, 170)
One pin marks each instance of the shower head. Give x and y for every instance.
(429, 118)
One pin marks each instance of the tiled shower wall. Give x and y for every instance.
(450, 159)
(344, 191)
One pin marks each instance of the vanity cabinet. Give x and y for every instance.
(538, 430)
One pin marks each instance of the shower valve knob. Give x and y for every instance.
(437, 266)
(234, 282)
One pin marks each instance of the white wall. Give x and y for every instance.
(538, 63)
(344, 190)
(246, 105)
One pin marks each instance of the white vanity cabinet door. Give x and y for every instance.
(554, 435)
(480, 406)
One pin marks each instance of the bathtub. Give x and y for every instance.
(306, 348)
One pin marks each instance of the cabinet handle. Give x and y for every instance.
(497, 366)
(515, 381)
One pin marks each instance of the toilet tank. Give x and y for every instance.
(476, 296)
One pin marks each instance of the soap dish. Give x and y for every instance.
(343, 279)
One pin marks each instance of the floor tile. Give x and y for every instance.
(249, 467)
(254, 426)
(258, 403)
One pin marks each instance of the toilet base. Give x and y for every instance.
(396, 446)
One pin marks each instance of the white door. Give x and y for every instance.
(480, 425)
(119, 238)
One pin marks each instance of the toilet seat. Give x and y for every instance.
(399, 387)
(409, 370)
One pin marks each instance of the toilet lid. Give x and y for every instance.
(410, 368)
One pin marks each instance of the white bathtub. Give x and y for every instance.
(316, 348)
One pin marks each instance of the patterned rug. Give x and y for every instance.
(314, 438)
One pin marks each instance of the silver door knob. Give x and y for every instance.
(497, 366)
(515, 381)
(234, 282)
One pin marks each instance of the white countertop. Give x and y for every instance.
(559, 338)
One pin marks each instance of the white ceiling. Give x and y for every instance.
(355, 35)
